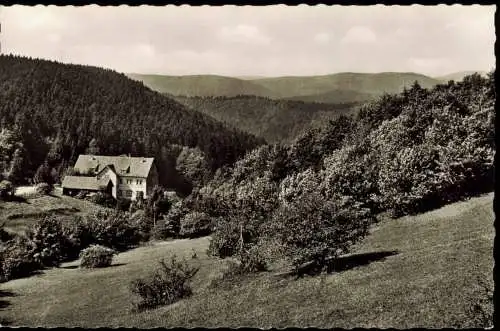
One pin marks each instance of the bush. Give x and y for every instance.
(96, 256)
(79, 236)
(49, 241)
(103, 199)
(225, 239)
(143, 223)
(16, 259)
(123, 204)
(113, 229)
(4, 234)
(252, 260)
(314, 229)
(170, 226)
(43, 188)
(6, 190)
(166, 285)
(195, 224)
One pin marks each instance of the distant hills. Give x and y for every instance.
(202, 85)
(279, 109)
(334, 88)
(458, 76)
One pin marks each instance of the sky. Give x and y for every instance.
(256, 41)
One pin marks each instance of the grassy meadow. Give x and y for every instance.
(415, 271)
(18, 215)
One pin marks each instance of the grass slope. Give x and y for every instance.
(18, 215)
(426, 284)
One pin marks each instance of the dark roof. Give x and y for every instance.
(123, 165)
(84, 183)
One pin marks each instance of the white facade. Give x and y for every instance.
(128, 187)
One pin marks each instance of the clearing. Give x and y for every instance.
(427, 281)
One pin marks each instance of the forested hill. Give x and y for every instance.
(335, 88)
(53, 112)
(365, 83)
(201, 85)
(274, 120)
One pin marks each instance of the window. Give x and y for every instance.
(127, 193)
(139, 181)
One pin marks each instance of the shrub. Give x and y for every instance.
(123, 204)
(96, 256)
(314, 229)
(143, 223)
(6, 190)
(166, 285)
(49, 241)
(103, 199)
(252, 260)
(170, 226)
(225, 239)
(113, 229)
(4, 234)
(16, 259)
(195, 224)
(79, 236)
(43, 188)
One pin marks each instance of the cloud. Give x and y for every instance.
(359, 34)
(253, 40)
(244, 34)
(322, 38)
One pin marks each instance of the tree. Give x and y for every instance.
(191, 163)
(93, 148)
(16, 173)
(43, 174)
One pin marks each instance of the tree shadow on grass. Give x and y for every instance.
(4, 304)
(341, 263)
(351, 261)
(20, 199)
(70, 267)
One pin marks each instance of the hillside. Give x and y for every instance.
(458, 76)
(201, 85)
(336, 97)
(418, 271)
(387, 82)
(335, 88)
(52, 112)
(273, 120)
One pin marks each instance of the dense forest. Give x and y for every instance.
(273, 120)
(402, 154)
(52, 112)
